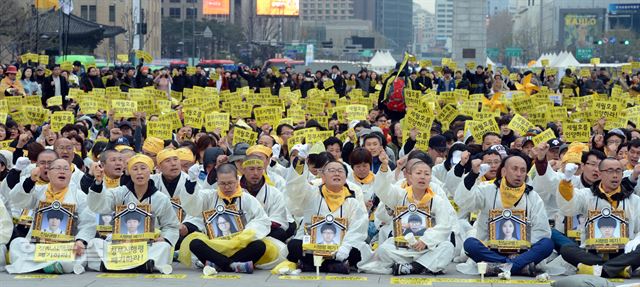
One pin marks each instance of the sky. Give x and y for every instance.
(429, 5)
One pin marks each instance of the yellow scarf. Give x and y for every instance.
(334, 199)
(237, 193)
(484, 179)
(55, 196)
(428, 195)
(111, 182)
(40, 181)
(268, 180)
(510, 195)
(612, 202)
(365, 180)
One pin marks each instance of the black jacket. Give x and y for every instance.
(49, 90)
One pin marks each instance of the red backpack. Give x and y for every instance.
(396, 96)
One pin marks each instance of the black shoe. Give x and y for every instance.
(148, 266)
(103, 268)
(528, 270)
(493, 269)
(338, 267)
(401, 269)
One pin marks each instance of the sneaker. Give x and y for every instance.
(209, 268)
(506, 275)
(165, 269)
(338, 267)
(493, 269)
(78, 269)
(54, 268)
(401, 269)
(242, 267)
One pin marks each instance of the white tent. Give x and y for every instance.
(382, 62)
(565, 59)
(489, 62)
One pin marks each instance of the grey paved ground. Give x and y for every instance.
(264, 278)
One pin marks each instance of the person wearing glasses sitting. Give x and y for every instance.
(27, 195)
(614, 192)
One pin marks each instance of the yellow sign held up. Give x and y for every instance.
(124, 108)
(576, 132)
(244, 136)
(544, 136)
(145, 56)
(520, 124)
(61, 119)
(159, 129)
(595, 61)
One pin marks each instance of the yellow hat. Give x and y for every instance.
(186, 154)
(261, 149)
(140, 158)
(165, 154)
(153, 145)
(574, 152)
(122, 147)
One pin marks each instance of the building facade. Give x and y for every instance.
(444, 24)
(469, 31)
(394, 20)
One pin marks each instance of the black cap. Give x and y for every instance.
(554, 143)
(77, 63)
(125, 124)
(438, 142)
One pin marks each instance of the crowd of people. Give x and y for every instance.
(465, 173)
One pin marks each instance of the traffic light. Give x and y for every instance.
(599, 42)
(626, 42)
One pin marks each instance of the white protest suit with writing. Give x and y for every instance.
(62, 227)
(143, 215)
(423, 222)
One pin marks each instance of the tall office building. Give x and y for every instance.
(394, 19)
(444, 23)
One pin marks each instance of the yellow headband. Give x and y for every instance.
(165, 154)
(122, 147)
(140, 158)
(186, 154)
(252, 163)
(153, 145)
(259, 148)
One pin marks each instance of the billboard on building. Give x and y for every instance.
(579, 28)
(215, 7)
(278, 7)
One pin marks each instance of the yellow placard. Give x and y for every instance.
(357, 112)
(447, 115)
(6, 145)
(577, 132)
(165, 276)
(3, 118)
(345, 278)
(61, 119)
(124, 58)
(425, 63)
(54, 101)
(545, 62)
(595, 61)
(124, 108)
(145, 56)
(519, 124)
(483, 127)
(126, 255)
(544, 136)
(318, 136)
(160, 129)
(43, 59)
(54, 252)
(214, 121)
(267, 115)
(244, 136)
(302, 278)
(193, 118)
(191, 70)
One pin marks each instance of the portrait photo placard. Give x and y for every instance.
(508, 231)
(414, 219)
(325, 235)
(574, 226)
(104, 223)
(223, 221)
(606, 231)
(132, 223)
(54, 222)
(177, 207)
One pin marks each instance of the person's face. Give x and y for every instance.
(373, 146)
(590, 169)
(266, 141)
(132, 225)
(553, 154)
(11, 76)
(170, 167)
(381, 122)
(130, 73)
(362, 170)
(634, 154)
(50, 137)
(479, 71)
(223, 224)
(415, 226)
(328, 235)
(420, 176)
(64, 147)
(253, 174)
(56, 71)
(286, 133)
(227, 183)
(45, 160)
(372, 115)
(622, 153)
(28, 73)
(582, 220)
(334, 175)
(489, 141)
(611, 174)
(527, 148)
(140, 173)
(335, 151)
(114, 165)
(493, 160)
(54, 223)
(185, 165)
(607, 231)
(59, 173)
(507, 229)
(515, 171)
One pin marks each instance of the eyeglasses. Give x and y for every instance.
(60, 168)
(67, 148)
(334, 170)
(230, 183)
(612, 171)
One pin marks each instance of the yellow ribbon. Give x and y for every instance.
(428, 195)
(510, 195)
(237, 193)
(55, 196)
(368, 179)
(112, 182)
(334, 199)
